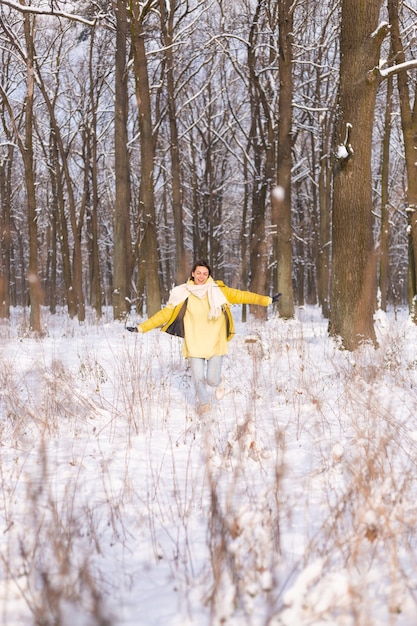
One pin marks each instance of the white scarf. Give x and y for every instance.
(210, 288)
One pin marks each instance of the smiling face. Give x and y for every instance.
(200, 275)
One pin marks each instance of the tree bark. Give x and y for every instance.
(262, 142)
(409, 129)
(353, 283)
(149, 257)
(5, 231)
(281, 211)
(121, 220)
(35, 292)
(324, 259)
(385, 212)
(167, 21)
(93, 209)
(58, 207)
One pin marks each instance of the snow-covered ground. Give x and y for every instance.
(293, 504)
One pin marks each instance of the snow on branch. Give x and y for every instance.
(381, 31)
(29, 9)
(396, 69)
(344, 150)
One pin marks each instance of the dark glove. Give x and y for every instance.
(276, 297)
(132, 329)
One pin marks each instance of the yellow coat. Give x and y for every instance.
(203, 338)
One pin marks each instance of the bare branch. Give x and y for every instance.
(396, 69)
(35, 10)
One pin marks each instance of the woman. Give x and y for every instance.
(199, 311)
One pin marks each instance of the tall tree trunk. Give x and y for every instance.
(61, 222)
(262, 141)
(96, 295)
(167, 21)
(353, 284)
(325, 236)
(5, 231)
(324, 180)
(35, 292)
(409, 128)
(281, 216)
(147, 151)
(122, 238)
(52, 262)
(244, 231)
(385, 212)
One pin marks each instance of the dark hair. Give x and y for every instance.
(201, 263)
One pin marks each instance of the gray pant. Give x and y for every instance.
(202, 376)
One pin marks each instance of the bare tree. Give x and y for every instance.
(91, 192)
(149, 249)
(353, 284)
(137, 171)
(67, 187)
(409, 129)
(122, 237)
(167, 10)
(282, 216)
(263, 145)
(6, 195)
(25, 144)
(5, 230)
(385, 209)
(314, 95)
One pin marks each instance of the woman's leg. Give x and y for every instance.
(214, 371)
(197, 367)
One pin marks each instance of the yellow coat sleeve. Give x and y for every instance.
(236, 296)
(159, 319)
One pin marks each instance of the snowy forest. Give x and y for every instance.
(277, 140)
(137, 137)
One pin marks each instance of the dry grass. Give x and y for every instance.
(293, 504)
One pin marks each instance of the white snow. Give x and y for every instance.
(400, 67)
(381, 27)
(341, 152)
(294, 503)
(278, 193)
